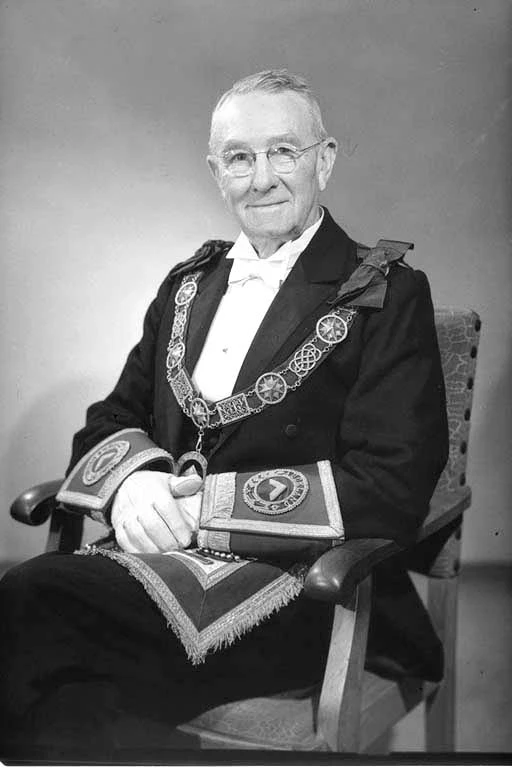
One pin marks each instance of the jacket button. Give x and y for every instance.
(291, 431)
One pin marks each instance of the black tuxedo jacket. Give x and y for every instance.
(375, 407)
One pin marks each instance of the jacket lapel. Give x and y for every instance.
(211, 289)
(327, 261)
(287, 314)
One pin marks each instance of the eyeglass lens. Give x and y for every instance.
(282, 159)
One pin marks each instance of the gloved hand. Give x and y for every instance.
(156, 511)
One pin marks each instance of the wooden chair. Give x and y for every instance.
(352, 708)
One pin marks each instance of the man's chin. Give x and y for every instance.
(270, 221)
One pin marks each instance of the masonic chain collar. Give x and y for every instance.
(269, 389)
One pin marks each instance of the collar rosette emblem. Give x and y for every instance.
(175, 355)
(332, 328)
(199, 412)
(186, 293)
(271, 388)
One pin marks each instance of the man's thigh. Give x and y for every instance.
(72, 623)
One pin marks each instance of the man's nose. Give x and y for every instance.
(264, 177)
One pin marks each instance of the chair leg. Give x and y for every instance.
(339, 710)
(440, 706)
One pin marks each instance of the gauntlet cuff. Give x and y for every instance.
(93, 482)
(274, 512)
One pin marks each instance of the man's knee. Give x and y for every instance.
(22, 584)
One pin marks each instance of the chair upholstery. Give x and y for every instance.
(458, 334)
(351, 708)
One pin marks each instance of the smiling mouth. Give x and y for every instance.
(267, 205)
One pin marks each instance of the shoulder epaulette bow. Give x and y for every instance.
(210, 250)
(367, 285)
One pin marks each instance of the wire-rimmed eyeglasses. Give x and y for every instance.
(282, 157)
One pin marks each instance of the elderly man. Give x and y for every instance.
(286, 395)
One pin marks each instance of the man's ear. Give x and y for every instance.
(214, 166)
(326, 159)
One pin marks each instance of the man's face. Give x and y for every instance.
(269, 205)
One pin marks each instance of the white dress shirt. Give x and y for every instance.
(253, 284)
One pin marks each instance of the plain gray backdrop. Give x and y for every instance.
(105, 115)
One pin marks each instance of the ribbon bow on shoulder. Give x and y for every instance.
(367, 285)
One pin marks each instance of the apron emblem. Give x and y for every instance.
(271, 388)
(104, 460)
(275, 491)
(332, 328)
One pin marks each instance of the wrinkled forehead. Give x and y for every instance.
(258, 119)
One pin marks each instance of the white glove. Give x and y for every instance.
(156, 511)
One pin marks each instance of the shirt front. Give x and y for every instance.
(252, 286)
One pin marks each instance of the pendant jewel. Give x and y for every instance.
(192, 460)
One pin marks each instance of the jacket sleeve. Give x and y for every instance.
(393, 437)
(129, 405)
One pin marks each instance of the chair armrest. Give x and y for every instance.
(35, 505)
(446, 507)
(335, 575)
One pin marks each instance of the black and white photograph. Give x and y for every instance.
(256, 328)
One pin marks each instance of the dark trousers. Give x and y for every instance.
(88, 665)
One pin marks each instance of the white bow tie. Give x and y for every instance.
(272, 273)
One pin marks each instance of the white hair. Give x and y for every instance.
(274, 81)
